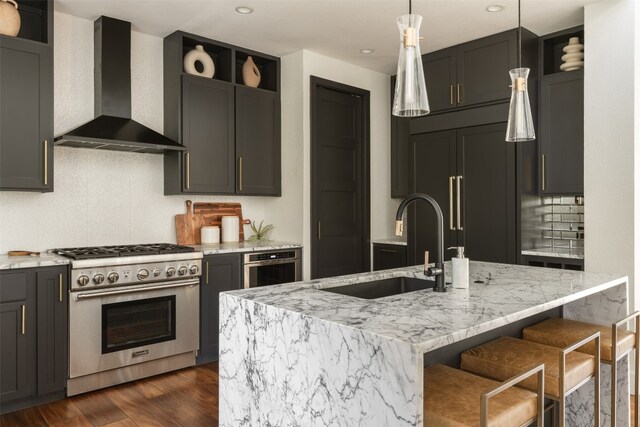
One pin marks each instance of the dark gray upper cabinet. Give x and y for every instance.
(26, 115)
(208, 132)
(52, 325)
(258, 142)
(219, 273)
(471, 174)
(440, 76)
(33, 336)
(231, 131)
(483, 68)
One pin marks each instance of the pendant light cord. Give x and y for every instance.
(519, 35)
(409, 7)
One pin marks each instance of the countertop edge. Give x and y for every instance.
(33, 261)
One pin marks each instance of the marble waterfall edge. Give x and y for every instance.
(278, 367)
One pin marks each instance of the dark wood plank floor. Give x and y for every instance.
(184, 398)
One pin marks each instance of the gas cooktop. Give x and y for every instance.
(97, 252)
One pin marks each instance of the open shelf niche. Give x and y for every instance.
(551, 47)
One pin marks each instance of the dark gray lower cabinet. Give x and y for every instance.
(553, 262)
(386, 257)
(26, 115)
(257, 142)
(219, 273)
(33, 336)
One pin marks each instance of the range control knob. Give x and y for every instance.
(113, 277)
(156, 272)
(143, 274)
(98, 279)
(193, 269)
(182, 270)
(170, 271)
(83, 280)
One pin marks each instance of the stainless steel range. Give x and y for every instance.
(133, 312)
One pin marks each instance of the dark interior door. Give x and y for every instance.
(486, 164)
(339, 170)
(432, 169)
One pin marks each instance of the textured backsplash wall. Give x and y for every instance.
(562, 224)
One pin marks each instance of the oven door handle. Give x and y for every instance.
(271, 262)
(134, 290)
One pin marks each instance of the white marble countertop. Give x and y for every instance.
(43, 260)
(429, 320)
(393, 241)
(246, 246)
(574, 253)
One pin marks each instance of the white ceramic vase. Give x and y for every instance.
(250, 73)
(573, 57)
(9, 18)
(199, 55)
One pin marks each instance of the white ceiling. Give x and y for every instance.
(335, 28)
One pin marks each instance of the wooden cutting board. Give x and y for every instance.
(213, 213)
(188, 226)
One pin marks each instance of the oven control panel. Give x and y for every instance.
(125, 275)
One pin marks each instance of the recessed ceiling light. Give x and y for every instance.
(494, 8)
(245, 10)
(367, 51)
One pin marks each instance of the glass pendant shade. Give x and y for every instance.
(410, 99)
(520, 123)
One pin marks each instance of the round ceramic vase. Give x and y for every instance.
(9, 18)
(199, 55)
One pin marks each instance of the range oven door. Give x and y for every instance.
(113, 328)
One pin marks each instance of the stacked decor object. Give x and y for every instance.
(573, 58)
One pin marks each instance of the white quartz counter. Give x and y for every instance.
(246, 246)
(570, 253)
(397, 241)
(499, 294)
(43, 260)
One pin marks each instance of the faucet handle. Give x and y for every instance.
(399, 228)
(426, 259)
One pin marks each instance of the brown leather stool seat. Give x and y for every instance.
(506, 356)
(563, 332)
(452, 399)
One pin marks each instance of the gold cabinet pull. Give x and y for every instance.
(451, 100)
(544, 173)
(451, 226)
(60, 287)
(46, 162)
(458, 213)
(240, 172)
(319, 231)
(206, 279)
(24, 316)
(459, 86)
(188, 171)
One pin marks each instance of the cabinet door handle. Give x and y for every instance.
(544, 173)
(240, 172)
(24, 316)
(187, 157)
(60, 287)
(451, 226)
(459, 86)
(388, 251)
(46, 162)
(319, 230)
(206, 279)
(451, 100)
(459, 211)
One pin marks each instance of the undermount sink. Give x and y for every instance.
(383, 288)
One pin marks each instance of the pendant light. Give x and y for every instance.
(520, 123)
(410, 99)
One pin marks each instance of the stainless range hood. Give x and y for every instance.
(113, 128)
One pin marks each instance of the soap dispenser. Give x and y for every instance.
(460, 267)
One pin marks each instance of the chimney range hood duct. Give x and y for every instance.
(113, 128)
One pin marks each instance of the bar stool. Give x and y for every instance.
(560, 332)
(565, 369)
(456, 398)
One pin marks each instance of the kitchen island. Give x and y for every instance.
(296, 354)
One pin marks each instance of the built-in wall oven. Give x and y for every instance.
(272, 267)
(132, 317)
